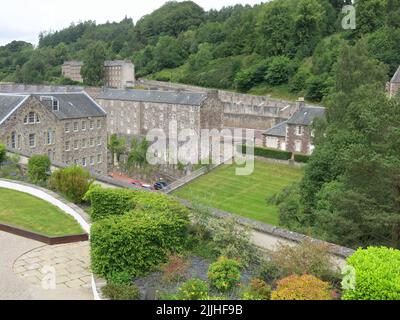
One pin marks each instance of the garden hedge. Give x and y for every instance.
(136, 242)
(117, 202)
(377, 275)
(301, 158)
(268, 153)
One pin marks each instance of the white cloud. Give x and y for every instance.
(25, 19)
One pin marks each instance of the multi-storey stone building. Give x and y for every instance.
(72, 70)
(394, 84)
(135, 112)
(70, 128)
(118, 74)
(296, 134)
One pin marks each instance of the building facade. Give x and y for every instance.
(394, 84)
(70, 128)
(72, 70)
(136, 112)
(296, 134)
(119, 74)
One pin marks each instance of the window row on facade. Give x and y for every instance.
(83, 144)
(82, 125)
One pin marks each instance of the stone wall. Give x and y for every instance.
(304, 139)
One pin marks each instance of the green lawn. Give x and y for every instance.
(30, 213)
(243, 195)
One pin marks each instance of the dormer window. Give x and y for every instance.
(56, 105)
(31, 118)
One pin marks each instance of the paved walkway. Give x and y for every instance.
(29, 269)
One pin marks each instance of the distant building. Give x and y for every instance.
(394, 84)
(295, 135)
(119, 74)
(68, 127)
(135, 112)
(72, 70)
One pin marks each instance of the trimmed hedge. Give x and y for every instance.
(268, 153)
(136, 242)
(301, 158)
(377, 275)
(117, 202)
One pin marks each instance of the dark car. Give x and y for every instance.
(160, 186)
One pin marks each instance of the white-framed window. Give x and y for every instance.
(76, 145)
(299, 130)
(83, 125)
(272, 142)
(56, 105)
(99, 141)
(91, 160)
(67, 146)
(99, 158)
(298, 145)
(91, 125)
(76, 127)
(91, 142)
(76, 162)
(84, 162)
(50, 137)
(98, 124)
(31, 118)
(84, 143)
(32, 140)
(66, 128)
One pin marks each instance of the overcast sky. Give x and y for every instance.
(25, 19)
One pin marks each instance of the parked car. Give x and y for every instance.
(160, 186)
(148, 187)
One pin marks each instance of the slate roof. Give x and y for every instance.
(113, 63)
(71, 105)
(168, 97)
(8, 103)
(306, 115)
(396, 77)
(277, 131)
(74, 105)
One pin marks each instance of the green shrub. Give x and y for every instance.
(2, 153)
(136, 242)
(303, 287)
(175, 269)
(194, 289)
(120, 278)
(377, 274)
(301, 158)
(116, 202)
(121, 292)
(268, 153)
(308, 257)
(271, 272)
(73, 182)
(224, 274)
(38, 168)
(258, 290)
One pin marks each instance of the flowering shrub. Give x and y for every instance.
(224, 274)
(377, 275)
(194, 289)
(175, 269)
(304, 287)
(258, 290)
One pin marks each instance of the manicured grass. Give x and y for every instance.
(243, 195)
(30, 213)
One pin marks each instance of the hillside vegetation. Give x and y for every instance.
(285, 47)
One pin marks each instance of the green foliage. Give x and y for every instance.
(224, 274)
(304, 287)
(38, 168)
(301, 158)
(175, 269)
(138, 153)
(120, 278)
(270, 272)
(257, 290)
(137, 241)
(73, 182)
(93, 68)
(268, 153)
(2, 153)
(128, 292)
(194, 289)
(280, 69)
(117, 146)
(377, 274)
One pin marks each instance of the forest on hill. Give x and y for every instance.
(286, 47)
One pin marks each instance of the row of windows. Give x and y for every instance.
(88, 161)
(75, 126)
(15, 141)
(85, 143)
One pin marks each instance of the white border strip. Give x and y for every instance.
(46, 197)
